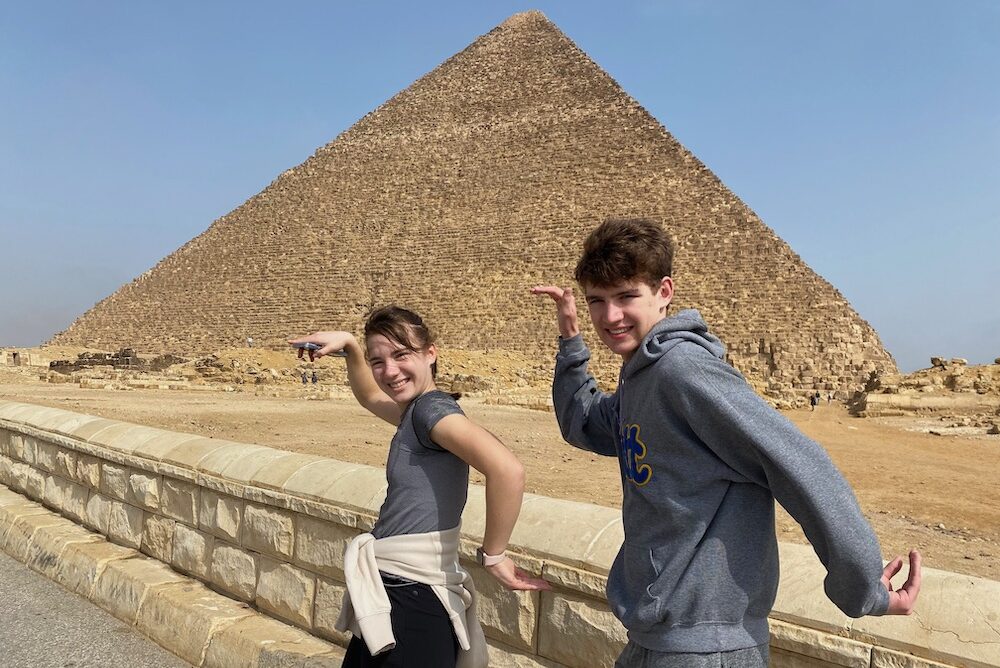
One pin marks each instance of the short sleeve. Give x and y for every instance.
(428, 409)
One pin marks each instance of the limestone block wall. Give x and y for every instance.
(268, 528)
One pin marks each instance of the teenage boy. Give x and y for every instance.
(702, 460)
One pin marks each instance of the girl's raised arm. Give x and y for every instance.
(359, 375)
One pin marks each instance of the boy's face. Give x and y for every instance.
(625, 312)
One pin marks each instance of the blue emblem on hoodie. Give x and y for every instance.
(631, 453)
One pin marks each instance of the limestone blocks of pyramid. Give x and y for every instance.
(479, 180)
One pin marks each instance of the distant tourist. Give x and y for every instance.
(813, 401)
(829, 398)
(419, 608)
(305, 378)
(702, 460)
(315, 378)
(249, 342)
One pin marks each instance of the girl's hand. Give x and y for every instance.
(513, 578)
(331, 342)
(359, 375)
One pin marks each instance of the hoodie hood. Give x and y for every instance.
(685, 325)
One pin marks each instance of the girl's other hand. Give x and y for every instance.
(513, 578)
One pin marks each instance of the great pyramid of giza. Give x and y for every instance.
(479, 180)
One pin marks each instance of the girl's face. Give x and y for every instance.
(402, 373)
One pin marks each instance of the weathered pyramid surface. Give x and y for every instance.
(476, 182)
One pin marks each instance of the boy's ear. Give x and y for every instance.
(666, 290)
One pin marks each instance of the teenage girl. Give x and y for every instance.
(407, 594)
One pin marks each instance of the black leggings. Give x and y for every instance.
(424, 635)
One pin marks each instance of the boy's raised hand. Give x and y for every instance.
(902, 600)
(565, 308)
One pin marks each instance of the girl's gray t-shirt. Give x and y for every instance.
(428, 485)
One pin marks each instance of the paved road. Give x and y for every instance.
(43, 625)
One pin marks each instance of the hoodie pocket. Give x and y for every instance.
(632, 585)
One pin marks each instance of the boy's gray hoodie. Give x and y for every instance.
(702, 460)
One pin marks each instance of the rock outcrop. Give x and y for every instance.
(968, 396)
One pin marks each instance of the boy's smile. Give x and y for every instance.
(625, 312)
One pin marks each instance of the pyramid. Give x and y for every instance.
(454, 197)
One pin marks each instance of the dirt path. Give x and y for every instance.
(938, 493)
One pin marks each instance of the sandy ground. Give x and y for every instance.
(939, 494)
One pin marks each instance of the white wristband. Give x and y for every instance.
(489, 559)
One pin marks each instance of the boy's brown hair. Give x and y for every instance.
(625, 249)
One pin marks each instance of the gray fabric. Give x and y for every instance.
(428, 485)
(634, 656)
(702, 459)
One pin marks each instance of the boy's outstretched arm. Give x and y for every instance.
(565, 308)
(767, 449)
(902, 600)
(586, 416)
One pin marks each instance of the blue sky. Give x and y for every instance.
(866, 134)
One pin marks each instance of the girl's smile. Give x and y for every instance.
(401, 372)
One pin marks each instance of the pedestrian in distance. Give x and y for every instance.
(409, 601)
(702, 461)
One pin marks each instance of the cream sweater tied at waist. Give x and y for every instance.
(430, 558)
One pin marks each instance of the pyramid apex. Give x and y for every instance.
(527, 19)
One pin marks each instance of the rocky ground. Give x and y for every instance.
(933, 488)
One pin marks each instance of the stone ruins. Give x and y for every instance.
(454, 197)
(962, 397)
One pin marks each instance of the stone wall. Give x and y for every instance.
(269, 527)
(454, 197)
(23, 357)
